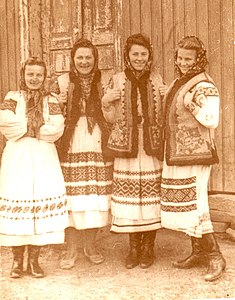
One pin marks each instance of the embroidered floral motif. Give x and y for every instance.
(54, 109)
(207, 91)
(188, 140)
(119, 137)
(155, 137)
(199, 99)
(22, 210)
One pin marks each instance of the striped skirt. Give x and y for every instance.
(88, 179)
(184, 199)
(135, 202)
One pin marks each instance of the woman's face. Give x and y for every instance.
(34, 76)
(138, 56)
(186, 58)
(84, 60)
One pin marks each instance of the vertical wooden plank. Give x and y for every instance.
(35, 42)
(118, 42)
(4, 47)
(126, 30)
(87, 19)
(168, 44)
(17, 42)
(11, 44)
(179, 20)
(24, 29)
(157, 34)
(1, 77)
(145, 23)
(3, 60)
(233, 88)
(202, 21)
(228, 95)
(135, 16)
(214, 58)
(190, 17)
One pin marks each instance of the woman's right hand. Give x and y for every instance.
(111, 96)
(63, 97)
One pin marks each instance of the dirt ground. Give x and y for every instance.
(112, 281)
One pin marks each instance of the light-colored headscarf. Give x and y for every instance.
(34, 98)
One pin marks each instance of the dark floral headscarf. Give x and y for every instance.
(82, 43)
(138, 39)
(192, 43)
(34, 98)
(83, 87)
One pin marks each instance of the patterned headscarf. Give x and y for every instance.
(192, 43)
(83, 86)
(34, 98)
(137, 39)
(82, 43)
(139, 84)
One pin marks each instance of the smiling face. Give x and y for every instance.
(84, 60)
(34, 76)
(186, 58)
(138, 56)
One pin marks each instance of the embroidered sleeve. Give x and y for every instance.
(54, 109)
(8, 104)
(205, 105)
(13, 121)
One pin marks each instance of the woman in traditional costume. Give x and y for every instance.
(133, 105)
(87, 171)
(33, 208)
(192, 114)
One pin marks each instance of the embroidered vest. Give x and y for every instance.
(187, 141)
(123, 140)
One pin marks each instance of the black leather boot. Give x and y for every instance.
(18, 257)
(33, 267)
(196, 258)
(133, 258)
(147, 253)
(217, 263)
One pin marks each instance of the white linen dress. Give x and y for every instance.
(32, 190)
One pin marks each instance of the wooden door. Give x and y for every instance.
(64, 21)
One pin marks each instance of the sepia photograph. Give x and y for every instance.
(117, 149)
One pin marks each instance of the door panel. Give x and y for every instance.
(61, 20)
(64, 21)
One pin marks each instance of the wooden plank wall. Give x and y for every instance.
(9, 49)
(165, 22)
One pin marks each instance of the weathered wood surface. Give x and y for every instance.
(165, 22)
(222, 211)
(108, 23)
